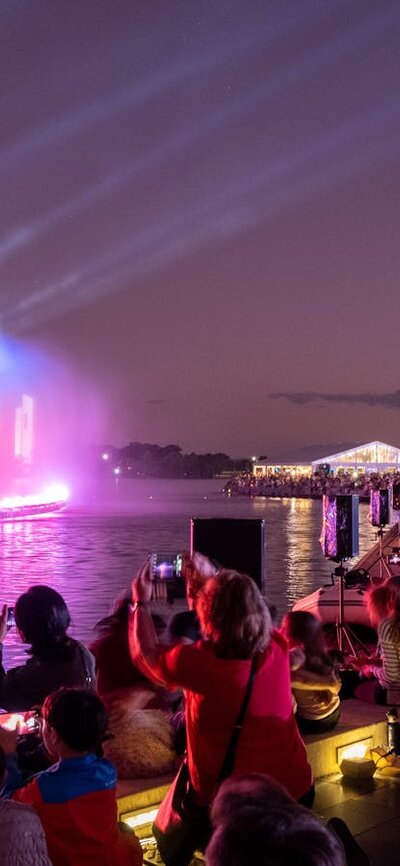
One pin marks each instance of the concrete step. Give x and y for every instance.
(358, 720)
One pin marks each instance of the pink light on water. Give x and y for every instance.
(50, 494)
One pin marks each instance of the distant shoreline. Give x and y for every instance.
(362, 498)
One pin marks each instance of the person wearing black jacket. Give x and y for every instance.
(42, 619)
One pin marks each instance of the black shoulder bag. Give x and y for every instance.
(181, 826)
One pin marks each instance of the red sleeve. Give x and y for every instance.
(29, 794)
(179, 666)
(279, 639)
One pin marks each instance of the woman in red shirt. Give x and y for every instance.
(236, 629)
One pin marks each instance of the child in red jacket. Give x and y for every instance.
(76, 798)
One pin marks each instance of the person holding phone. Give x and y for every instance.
(42, 619)
(75, 798)
(237, 638)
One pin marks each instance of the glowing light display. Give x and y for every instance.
(53, 494)
(24, 430)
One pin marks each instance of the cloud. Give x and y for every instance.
(302, 398)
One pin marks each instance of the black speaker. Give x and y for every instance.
(339, 537)
(232, 543)
(380, 506)
(396, 497)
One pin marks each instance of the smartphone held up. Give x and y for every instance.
(166, 571)
(28, 722)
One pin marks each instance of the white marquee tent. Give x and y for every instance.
(371, 457)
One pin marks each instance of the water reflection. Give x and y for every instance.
(300, 579)
(90, 554)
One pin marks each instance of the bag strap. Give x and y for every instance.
(229, 759)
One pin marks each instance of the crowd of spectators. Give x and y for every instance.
(285, 484)
(218, 676)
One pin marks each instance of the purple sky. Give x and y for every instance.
(200, 210)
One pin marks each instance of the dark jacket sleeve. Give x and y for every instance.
(27, 685)
(17, 688)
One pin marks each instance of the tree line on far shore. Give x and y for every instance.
(169, 461)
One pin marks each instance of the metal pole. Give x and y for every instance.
(341, 607)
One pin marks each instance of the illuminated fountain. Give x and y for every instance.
(47, 501)
(29, 503)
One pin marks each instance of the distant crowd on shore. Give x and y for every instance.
(284, 484)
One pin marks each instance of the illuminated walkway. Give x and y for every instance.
(372, 811)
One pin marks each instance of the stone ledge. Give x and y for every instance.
(357, 721)
(136, 794)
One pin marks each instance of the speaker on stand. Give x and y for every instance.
(339, 542)
(380, 511)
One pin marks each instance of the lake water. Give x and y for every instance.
(90, 552)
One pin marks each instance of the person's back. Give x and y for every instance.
(269, 742)
(388, 673)
(383, 604)
(76, 803)
(314, 682)
(316, 696)
(114, 667)
(42, 619)
(214, 672)
(29, 684)
(76, 798)
(22, 839)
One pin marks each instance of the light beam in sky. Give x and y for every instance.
(333, 157)
(154, 85)
(300, 70)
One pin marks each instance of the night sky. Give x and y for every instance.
(200, 214)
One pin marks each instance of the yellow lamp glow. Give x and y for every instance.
(354, 750)
(139, 819)
(355, 762)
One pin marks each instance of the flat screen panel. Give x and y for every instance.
(231, 542)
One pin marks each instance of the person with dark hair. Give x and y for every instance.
(239, 654)
(315, 684)
(76, 797)
(42, 619)
(22, 839)
(256, 821)
(114, 667)
(141, 741)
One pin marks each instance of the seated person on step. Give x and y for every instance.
(76, 797)
(381, 673)
(315, 684)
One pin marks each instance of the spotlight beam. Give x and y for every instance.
(177, 144)
(154, 85)
(314, 169)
